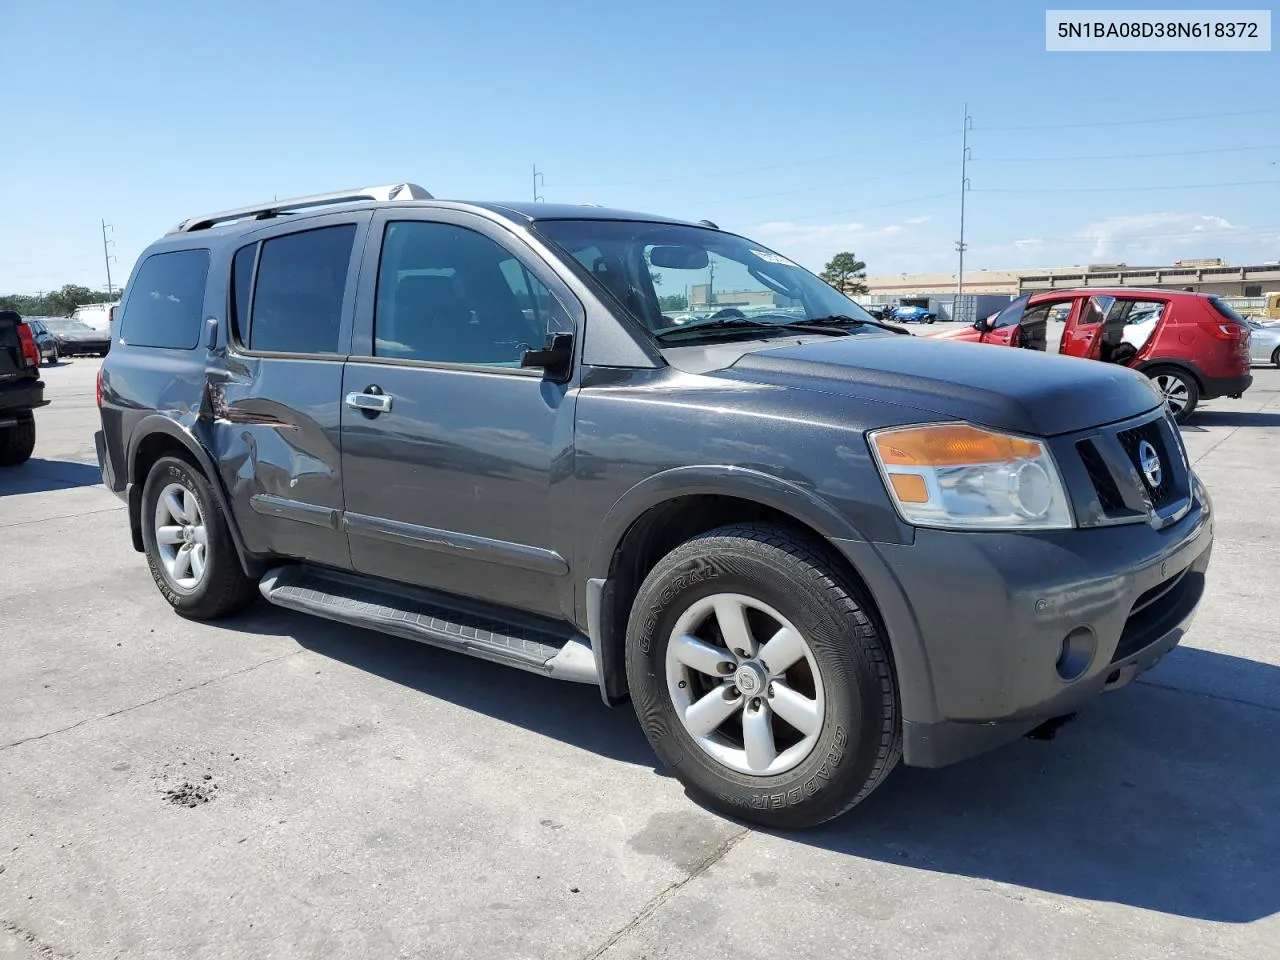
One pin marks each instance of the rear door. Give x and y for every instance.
(461, 480)
(277, 401)
(1082, 335)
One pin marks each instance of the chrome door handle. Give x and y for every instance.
(369, 402)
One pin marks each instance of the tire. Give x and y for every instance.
(844, 676)
(220, 587)
(18, 441)
(1180, 390)
(1275, 357)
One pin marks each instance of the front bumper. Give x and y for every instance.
(979, 622)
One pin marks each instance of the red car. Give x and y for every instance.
(1193, 345)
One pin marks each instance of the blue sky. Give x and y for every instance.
(812, 126)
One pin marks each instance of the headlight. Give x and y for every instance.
(960, 476)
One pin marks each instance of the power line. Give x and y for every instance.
(877, 206)
(1232, 235)
(1130, 123)
(720, 174)
(810, 189)
(1125, 156)
(1171, 186)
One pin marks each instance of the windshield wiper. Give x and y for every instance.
(735, 324)
(837, 320)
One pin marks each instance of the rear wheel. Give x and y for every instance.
(760, 679)
(18, 440)
(1275, 357)
(188, 544)
(1179, 390)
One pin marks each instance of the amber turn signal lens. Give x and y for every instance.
(909, 487)
(950, 445)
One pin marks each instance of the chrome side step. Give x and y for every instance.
(455, 624)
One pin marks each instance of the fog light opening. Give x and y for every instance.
(1078, 649)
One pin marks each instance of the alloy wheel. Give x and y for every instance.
(1175, 391)
(182, 539)
(745, 684)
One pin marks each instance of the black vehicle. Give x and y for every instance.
(21, 389)
(805, 547)
(46, 344)
(77, 339)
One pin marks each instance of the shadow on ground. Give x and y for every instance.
(1155, 797)
(1233, 418)
(572, 713)
(37, 476)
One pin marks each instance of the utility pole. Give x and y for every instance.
(965, 127)
(106, 253)
(538, 178)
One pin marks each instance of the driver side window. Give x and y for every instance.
(447, 294)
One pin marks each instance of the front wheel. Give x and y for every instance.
(760, 678)
(18, 440)
(1275, 357)
(1180, 391)
(188, 544)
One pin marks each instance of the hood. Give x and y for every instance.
(83, 335)
(1018, 390)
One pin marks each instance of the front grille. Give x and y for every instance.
(1131, 441)
(1103, 483)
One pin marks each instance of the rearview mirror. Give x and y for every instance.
(679, 258)
(555, 358)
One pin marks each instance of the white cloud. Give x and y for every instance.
(917, 220)
(1029, 242)
(1152, 235)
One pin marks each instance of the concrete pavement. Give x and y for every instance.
(280, 786)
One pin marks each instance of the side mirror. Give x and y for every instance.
(981, 325)
(555, 358)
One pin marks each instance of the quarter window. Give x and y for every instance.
(297, 301)
(451, 295)
(166, 301)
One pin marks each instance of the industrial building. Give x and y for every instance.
(1243, 286)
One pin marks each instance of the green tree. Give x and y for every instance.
(55, 303)
(675, 301)
(845, 272)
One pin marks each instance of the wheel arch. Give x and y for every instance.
(667, 509)
(1148, 367)
(156, 437)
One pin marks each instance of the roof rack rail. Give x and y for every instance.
(264, 211)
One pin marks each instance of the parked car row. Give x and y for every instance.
(1193, 346)
(58, 337)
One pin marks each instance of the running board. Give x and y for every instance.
(454, 624)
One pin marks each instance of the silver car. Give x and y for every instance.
(1264, 342)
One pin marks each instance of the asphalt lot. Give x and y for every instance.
(368, 796)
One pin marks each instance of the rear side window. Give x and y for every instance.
(1225, 309)
(297, 300)
(166, 300)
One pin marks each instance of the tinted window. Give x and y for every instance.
(166, 300)
(297, 303)
(241, 286)
(1225, 309)
(452, 295)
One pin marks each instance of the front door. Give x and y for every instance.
(457, 462)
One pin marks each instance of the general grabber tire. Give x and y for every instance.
(188, 545)
(761, 677)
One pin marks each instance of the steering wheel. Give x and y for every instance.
(727, 313)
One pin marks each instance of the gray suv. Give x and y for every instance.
(655, 456)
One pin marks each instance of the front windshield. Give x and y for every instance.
(67, 326)
(671, 276)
